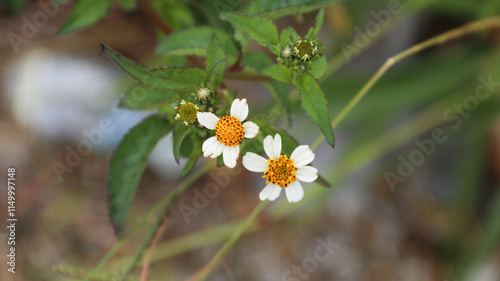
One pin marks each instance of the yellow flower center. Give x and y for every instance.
(304, 50)
(229, 131)
(187, 112)
(281, 171)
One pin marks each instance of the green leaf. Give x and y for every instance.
(260, 29)
(127, 165)
(313, 31)
(276, 9)
(195, 41)
(314, 104)
(286, 34)
(274, 49)
(85, 13)
(195, 154)
(127, 4)
(140, 97)
(215, 54)
(318, 67)
(279, 72)
(179, 133)
(166, 78)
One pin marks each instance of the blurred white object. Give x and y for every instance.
(73, 98)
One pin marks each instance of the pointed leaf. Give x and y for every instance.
(318, 67)
(167, 78)
(215, 54)
(179, 133)
(195, 41)
(314, 104)
(85, 13)
(313, 31)
(127, 165)
(260, 29)
(279, 72)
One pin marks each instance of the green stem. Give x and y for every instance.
(439, 39)
(203, 274)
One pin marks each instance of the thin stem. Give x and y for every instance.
(101, 263)
(165, 205)
(439, 39)
(203, 273)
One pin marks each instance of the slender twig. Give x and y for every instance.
(436, 40)
(147, 257)
(205, 271)
(165, 205)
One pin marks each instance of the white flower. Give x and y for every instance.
(229, 132)
(281, 171)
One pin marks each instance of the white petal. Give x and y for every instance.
(218, 150)
(251, 129)
(271, 192)
(269, 148)
(230, 155)
(207, 119)
(277, 145)
(294, 192)
(254, 162)
(302, 156)
(239, 109)
(307, 173)
(209, 146)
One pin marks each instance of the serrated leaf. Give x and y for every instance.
(140, 97)
(218, 67)
(318, 67)
(277, 9)
(179, 133)
(195, 41)
(192, 159)
(216, 61)
(127, 4)
(127, 165)
(314, 104)
(85, 13)
(166, 78)
(288, 34)
(313, 31)
(279, 72)
(260, 29)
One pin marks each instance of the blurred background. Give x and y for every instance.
(415, 171)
